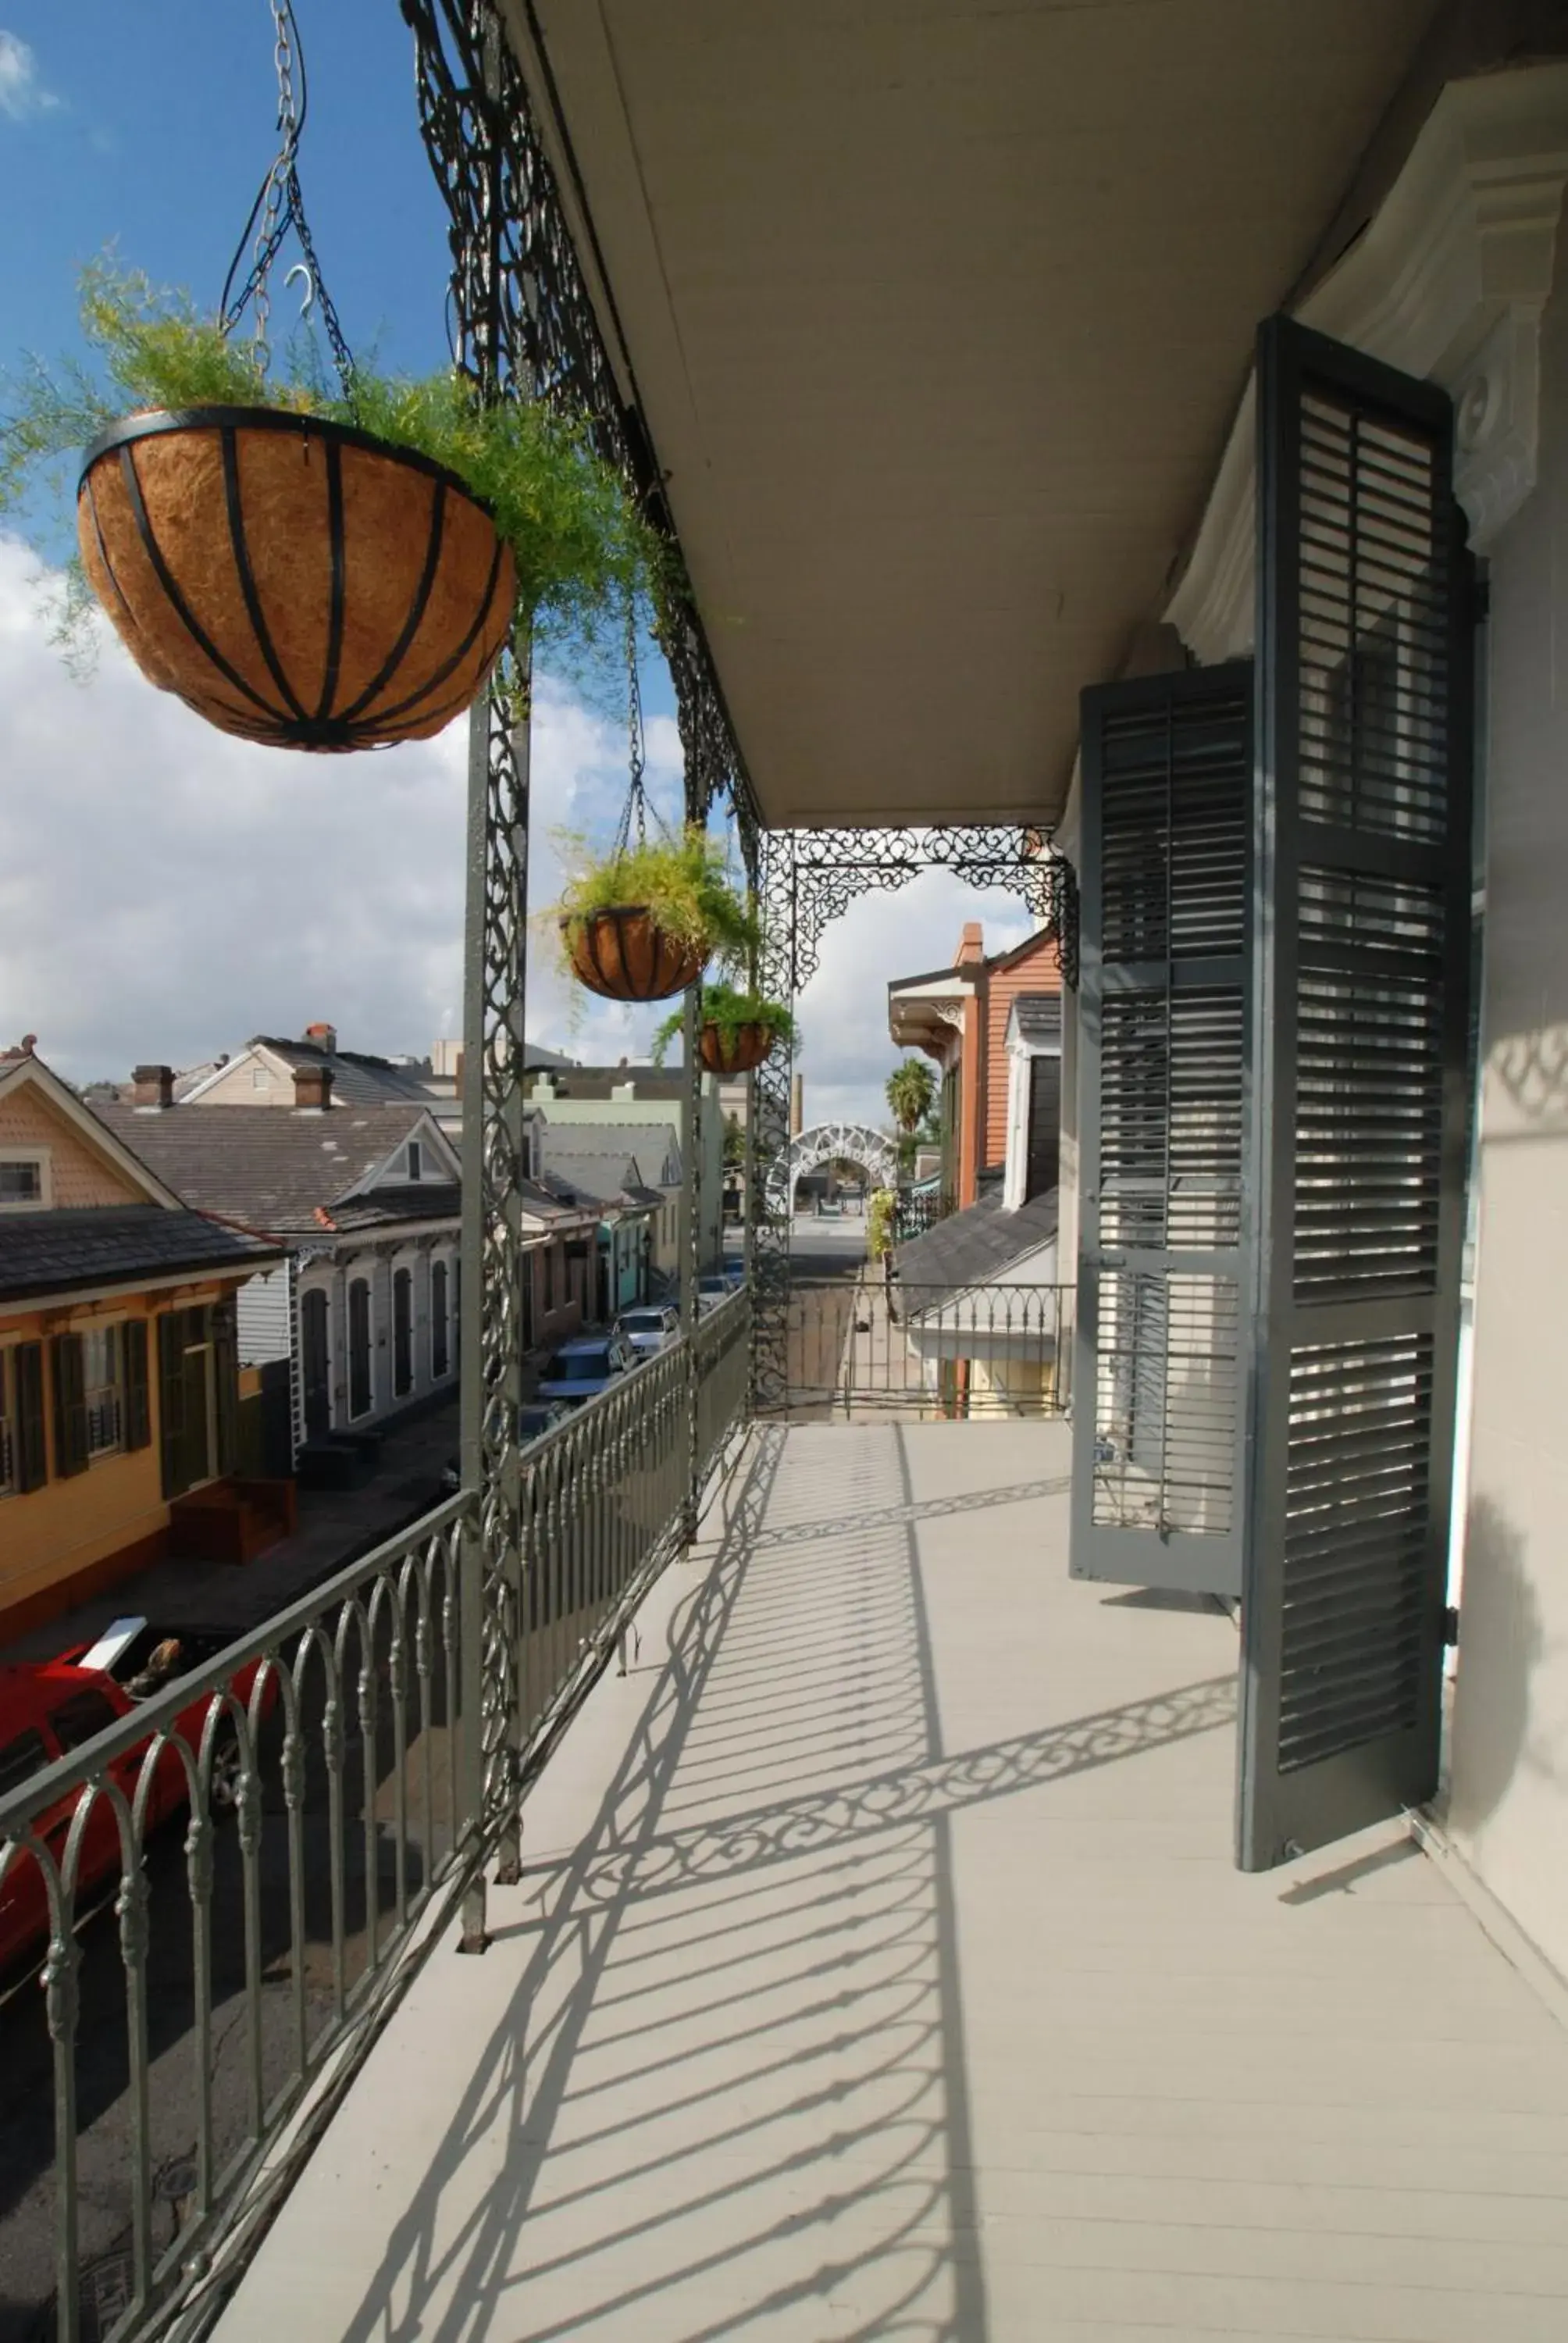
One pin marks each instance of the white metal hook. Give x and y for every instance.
(299, 269)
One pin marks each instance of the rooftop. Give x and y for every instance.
(274, 1170)
(114, 1245)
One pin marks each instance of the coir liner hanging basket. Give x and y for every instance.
(294, 580)
(734, 1050)
(624, 955)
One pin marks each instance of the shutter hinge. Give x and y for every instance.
(1451, 1627)
(1479, 601)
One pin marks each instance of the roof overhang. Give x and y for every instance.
(937, 318)
(924, 1012)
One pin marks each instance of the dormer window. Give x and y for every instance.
(414, 1166)
(25, 1179)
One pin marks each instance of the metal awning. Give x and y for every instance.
(938, 312)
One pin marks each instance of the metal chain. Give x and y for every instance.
(635, 805)
(280, 206)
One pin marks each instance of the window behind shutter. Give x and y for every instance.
(1362, 977)
(71, 1447)
(139, 1427)
(1162, 985)
(171, 1397)
(31, 1438)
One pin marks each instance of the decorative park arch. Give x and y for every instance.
(823, 1143)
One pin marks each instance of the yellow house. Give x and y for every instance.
(118, 1375)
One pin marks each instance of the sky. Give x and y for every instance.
(165, 892)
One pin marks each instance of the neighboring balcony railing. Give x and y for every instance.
(283, 1831)
(884, 1345)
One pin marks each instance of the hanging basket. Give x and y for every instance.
(294, 580)
(736, 1048)
(623, 954)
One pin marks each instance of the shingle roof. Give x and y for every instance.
(593, 1180)
(651, 1146)
(420, 1200)
(972, 1247)
(114, 1245)
(267, 1167)
(358, 1077)
(1039, 1016)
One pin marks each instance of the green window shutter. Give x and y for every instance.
(1365, 655)
(171, 1397)
(71, 1450)
(138, 1422)
(31, 1438)
(1163, 891)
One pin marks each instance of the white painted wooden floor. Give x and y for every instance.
(880, 1971)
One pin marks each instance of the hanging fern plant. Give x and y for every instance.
(735, 1031)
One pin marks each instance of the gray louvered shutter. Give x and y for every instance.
(1162, 997)
(1364, 651)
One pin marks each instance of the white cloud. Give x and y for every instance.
(21, 92)
(165, 892)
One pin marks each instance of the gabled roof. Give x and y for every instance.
(83, 1248)
(358, 1077)
(652, 1150)
(975, 1246)
(1035, 1020)
(278, 1171)
(21, 1069)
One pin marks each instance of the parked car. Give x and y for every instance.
(50, 1708)
(648, 1330)
(718, 1286)
(584, 1367)
(534, 1418)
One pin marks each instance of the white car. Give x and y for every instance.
(649, 1329)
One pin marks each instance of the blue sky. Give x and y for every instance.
(229, 890)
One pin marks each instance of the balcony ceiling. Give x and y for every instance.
(937, 311)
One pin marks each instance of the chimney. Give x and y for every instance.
(972, 945)
(797, 1105)
(323, 1038)
(152, 1087)
(312, 1089)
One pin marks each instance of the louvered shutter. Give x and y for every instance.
(31, 1438)
(1162, 986)
(1361, 978)
(71, 1449)
(138, 1426)
(226, 1380)
(171, 1398)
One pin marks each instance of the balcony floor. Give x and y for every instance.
(880, 1970)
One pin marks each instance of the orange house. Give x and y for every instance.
(957, 1016)
(118, 1384)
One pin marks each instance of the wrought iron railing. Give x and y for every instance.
(917, 1210)
(282, 1832)
(879, 1346)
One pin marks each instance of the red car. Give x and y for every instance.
(48, 1708)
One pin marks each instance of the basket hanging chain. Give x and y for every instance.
(636, 806)
(280, 206)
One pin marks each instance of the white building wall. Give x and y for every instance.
(1509, 1808)
(263, 1321)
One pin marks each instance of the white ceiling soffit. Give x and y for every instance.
(1448, 283)
(937, 311)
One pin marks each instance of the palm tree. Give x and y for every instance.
(912, 1094)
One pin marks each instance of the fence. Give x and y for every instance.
(883, 1346)
(316, 1767)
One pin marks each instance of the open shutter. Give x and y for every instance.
(32, 1440)
(138, 1426)
(171, 1397)
(71, 1450)
(1364, 651)
(1162, 997)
